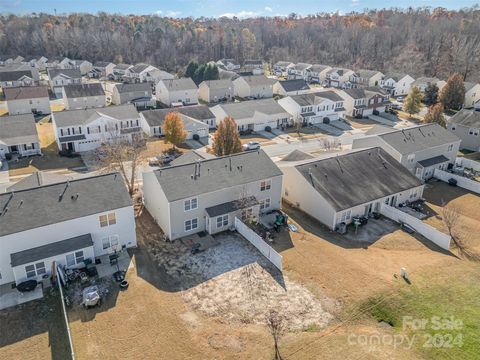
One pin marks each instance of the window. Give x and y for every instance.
(35, 270)
(40, 267)
(70, 259)
(222, 221)
(105, 243)
(265, 185)
(191, 224)
(30, 270)
(103, 220)
(190, 204)
(346, 215)
(411, 158)
(111, 219)
(79, 256)
(450, 147)
(265, 204)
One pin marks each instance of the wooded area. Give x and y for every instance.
(423, 41)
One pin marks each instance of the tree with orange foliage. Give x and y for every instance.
(173, 129)
(226, 139)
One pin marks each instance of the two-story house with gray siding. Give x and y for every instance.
(27, 99)
(466, 125)
(208, 194)
(421, 149)
(212, 91)
(58, 78)
(83, 96)
(139, 94)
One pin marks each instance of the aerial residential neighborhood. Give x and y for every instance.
(238, 183)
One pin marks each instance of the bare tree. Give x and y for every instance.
(451, 219)
(277, 325)
(123, 154)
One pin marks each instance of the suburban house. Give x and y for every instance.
(83, 65)
(82, 96)
(298, 71)
(397, 84)
(191, 157)
(253, 66)
(255, 115)
(280, 68)
(212, 91)
(366, 78)
(420, 149)
(19, 59)
(196, 121)
(314, 108)
(340, 78)
(317, 73)
(120, 71)
(466, 125)
(364, 102)
(4, 60)
(155, 75)
(58, 78)
(87, 129)
(18, 136)
(422, 83)
(177, 92)
(16, 78)
(472, 94)
(208, 195)
(228, 64)
(334, 189)
(143, 73)
(27, 99)
(86, 218)
(101, 69)
(291, 87)
(139, 94)
(33, 72)
(253, 87)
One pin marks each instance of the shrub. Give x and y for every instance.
(268, 128)
(8, 156)
(196, 137)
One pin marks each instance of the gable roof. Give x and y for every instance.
(257, 80)
(179, 182)
(470, 118)
(297, 155)
(96, 194)
(179, 84)
(138, 68)
(36, 179)
(317, 68)
(253, 62)
(315, 98)
(197, 112)
(355, 93)
(425, 80)
(122, 67)
(102, 64)
(14, 75)
(85, 116)
(469, 85)
(131, 87)
(283, 63)
(294, 85)
(418, 138)
(71, 73)
(83, 90)
(357, 178)
(25, 92)
(379, 129)
(301, 66)
(367, 74)
(395, 76)
(191, 157)
(18, 129)
(247, 109)
(218, 84)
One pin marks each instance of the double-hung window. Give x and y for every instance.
(265, 204)
(190, 204)
(107, 219)
(35, 270)
(191, 224)
(265, 185)
(222, 221)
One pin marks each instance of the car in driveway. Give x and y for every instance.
(251, 145)
(400, 99)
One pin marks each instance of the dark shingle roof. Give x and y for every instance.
(138, 68)
(355, 93)
(433, 161)
(294, 85)
(102, 64)
(218, 84)
(50, 250)
(71, 73)
(25, 92)
(14, 75)
(83, 90)
(315, 98)
(418, 138)
(191, 157)
(231, 206)
(125, 88)
(357, 178)
(470, 118)
(178, 182)
(38, 178)
(96, 194)
(18, 129)
(257, 80)
(197, 112)
(84, 116)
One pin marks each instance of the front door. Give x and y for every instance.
(393, 201)
(14, 149)
(70, 146)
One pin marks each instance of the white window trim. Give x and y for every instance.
(191, 224)
(189, 201)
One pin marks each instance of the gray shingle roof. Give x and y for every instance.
(197, 112)
(316, 98)
(433, 161)
(231, 206)
(96, 194)
(71, 73)
(178, 182)
(282, 63)
(470, 118)
(50, 250)
(395, 76)
(122, 66)
(355, 93)
(138, 68)
(356, 178)
(125, 88)
(469, 85)
(25, 92)
(318, 68)
(418, 138)
(301, 66)
(246, 109)
(84, 116)
(366, 74)
(257, 80)
(102, 64)
(179, 84)
(14, 75)
(294, 85)
(191, 157)
(18, 129)
(38, 178)
(425, 81)
(83, 90)
(218, 84)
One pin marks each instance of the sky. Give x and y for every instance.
(216, 8)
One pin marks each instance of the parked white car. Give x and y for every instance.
(252, 145)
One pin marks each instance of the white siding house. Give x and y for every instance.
(58, 78)
(26, 100)
(177, 92)
(18, 136)
(397, 84)
(472, 94)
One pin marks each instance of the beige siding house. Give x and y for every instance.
(253, 87)
(207, 195)
(26, 100)
(83, 96)
(177, 92)
(18, 136)
(466, 125)
(212, 91)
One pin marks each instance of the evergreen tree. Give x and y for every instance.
(431, 94)
(452, 95)
(199, 74)
(191, 68)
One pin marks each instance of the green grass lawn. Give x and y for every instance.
(453, 293)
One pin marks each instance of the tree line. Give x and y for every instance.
(421, 41)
